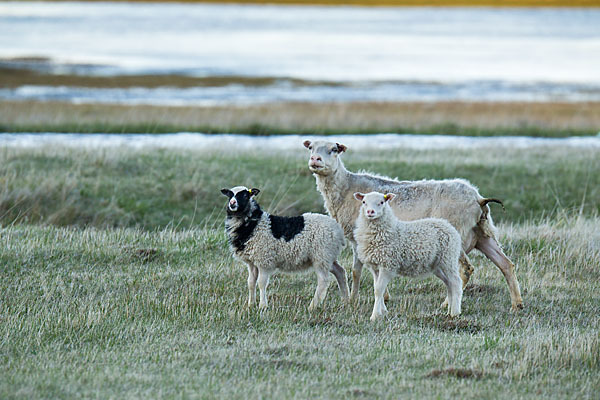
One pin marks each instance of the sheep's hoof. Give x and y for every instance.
(376, 317)
(517, 306)
(262, 306)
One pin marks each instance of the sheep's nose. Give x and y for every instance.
(316, 158)
(370, 213)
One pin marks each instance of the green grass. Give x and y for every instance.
(116, 281)
(125, 313)
(152, 189)
(267, 130)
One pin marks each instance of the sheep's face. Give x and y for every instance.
(239, 199)
(373, 203)
(323, 156)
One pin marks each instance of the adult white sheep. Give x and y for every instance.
(390, 247)
(455, 200)
(269, 244)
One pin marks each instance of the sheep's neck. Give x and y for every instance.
(243, 228)
(334, 187)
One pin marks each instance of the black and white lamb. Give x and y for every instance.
(268, 244)
(390, 247)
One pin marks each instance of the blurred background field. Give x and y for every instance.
(268, 69)
(151, 188)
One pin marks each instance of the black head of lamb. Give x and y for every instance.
(240, 200)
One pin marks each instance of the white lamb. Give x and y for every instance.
(390, 247)
(454, 200)
(269, 244)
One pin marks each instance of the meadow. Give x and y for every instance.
(117, 282)
(444, 117)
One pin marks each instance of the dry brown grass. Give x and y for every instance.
(13, 77)
(303, 117)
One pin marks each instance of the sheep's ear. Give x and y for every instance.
(227, 192)
(254, 191)
(307, 143)
(389, 197)
(359, 196)
(341, 148)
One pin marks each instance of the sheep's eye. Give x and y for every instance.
(381, 203)
(363, 202)
(310, 147)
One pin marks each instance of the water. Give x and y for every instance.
(380, 53)
(286, 92)
(234, 142)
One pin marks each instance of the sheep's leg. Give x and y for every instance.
(490, 247)
(357, 266)
(356, 272)
(340, 277)
(252, 277)
(465, 270)
(455, 291)
(321, 292)
(379, 286)
(442, 275)
(263, 282)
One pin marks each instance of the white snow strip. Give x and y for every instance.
(199, 141)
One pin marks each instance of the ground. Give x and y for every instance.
(137, 295)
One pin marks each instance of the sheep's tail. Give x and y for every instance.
(486, 227)
(484, 202)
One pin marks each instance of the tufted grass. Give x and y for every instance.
(156, 188)
(126, 313)
(116, 282)
(544, 119)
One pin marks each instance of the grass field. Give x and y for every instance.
(453, 117)
(116, 281)
(151, 189)
(92, 313)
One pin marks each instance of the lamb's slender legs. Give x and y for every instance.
(490, 247)
(263, 282)
(321, 292)
(379, 287)
(465, 271)
(340, 277)
(455, 294)
(453, 283)
(252, 276)
(357, 266)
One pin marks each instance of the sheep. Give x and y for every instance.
(455, 200)
(392, 247)
(269, 244)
